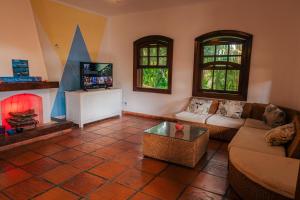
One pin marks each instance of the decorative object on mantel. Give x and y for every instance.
(20, 68)
(11, 132)
(20, 79)
(21, 120)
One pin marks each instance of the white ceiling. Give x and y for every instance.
(119, 7)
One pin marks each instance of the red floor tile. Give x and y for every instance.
(211, 183)
(107, 152)
(164, 189)
(3, 197)
(192, 193)
(120, 135)
(88, 147)
(104, 141)
(41, 166)
(151, 166)
(137, 139)
(70, 142)
(108, 170)
(83, 184)
(57, 194)
(12, 177)
(183, 175)
(221, 156)
(86, 162)
(142, 196)
(48, 149)
(61, 174)
(134, 179)
(5, 166)
(104, 131)
(25, 158)
(216, 168)
(133, 130)
(112, 191)
(67, 155)
(27, 189)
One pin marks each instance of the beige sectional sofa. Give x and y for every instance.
(220, 127)
(257, 171)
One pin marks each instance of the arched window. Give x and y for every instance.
(221, 65)
(152, 64)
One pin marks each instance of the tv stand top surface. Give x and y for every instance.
(92, 90)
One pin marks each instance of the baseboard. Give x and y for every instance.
(147, 116)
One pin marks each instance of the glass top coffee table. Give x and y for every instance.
(185, 147)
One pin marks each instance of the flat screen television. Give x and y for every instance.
(96, 75)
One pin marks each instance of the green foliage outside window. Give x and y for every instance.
(155, 78)
(220, 76)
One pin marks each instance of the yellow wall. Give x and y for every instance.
(59, 22)
(19, 38)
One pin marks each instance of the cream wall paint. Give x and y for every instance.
(274, 64)
(18, 38)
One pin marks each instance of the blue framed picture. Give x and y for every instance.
(20, 67)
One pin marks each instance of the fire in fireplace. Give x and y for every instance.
(21, 110)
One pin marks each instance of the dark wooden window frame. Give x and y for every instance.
(142, 42)
(217, 37)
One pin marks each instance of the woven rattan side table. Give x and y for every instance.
(184, 147)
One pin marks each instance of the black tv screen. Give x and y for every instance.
(96, 75)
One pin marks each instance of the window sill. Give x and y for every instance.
(152, 90)
(217, 95)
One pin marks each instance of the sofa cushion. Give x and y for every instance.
(220, 120)
(192, 117)
(253, 139)
(274, 116)
(214, 107)
(278, 174)
(254, 123)
(199, 106)
(280, 135)
(233, 109)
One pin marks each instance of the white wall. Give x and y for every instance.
(19, 39)
(275, 66)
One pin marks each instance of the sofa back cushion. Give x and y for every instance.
(232, 109)
(199, 105)
(257, 111)
(247, 109)
(214, 106)
(293, 149)
(274, 116)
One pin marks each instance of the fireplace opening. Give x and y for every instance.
(22, 111)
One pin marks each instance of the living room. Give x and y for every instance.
(128, 99)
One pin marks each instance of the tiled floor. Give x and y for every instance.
(105, 161)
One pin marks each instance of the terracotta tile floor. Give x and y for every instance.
(105, 161)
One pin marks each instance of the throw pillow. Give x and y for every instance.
(274, 116)
(280, 135)
(199, 106)
(232, 109)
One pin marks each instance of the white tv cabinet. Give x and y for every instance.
(88, 106)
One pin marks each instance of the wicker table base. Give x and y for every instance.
(187, 153)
